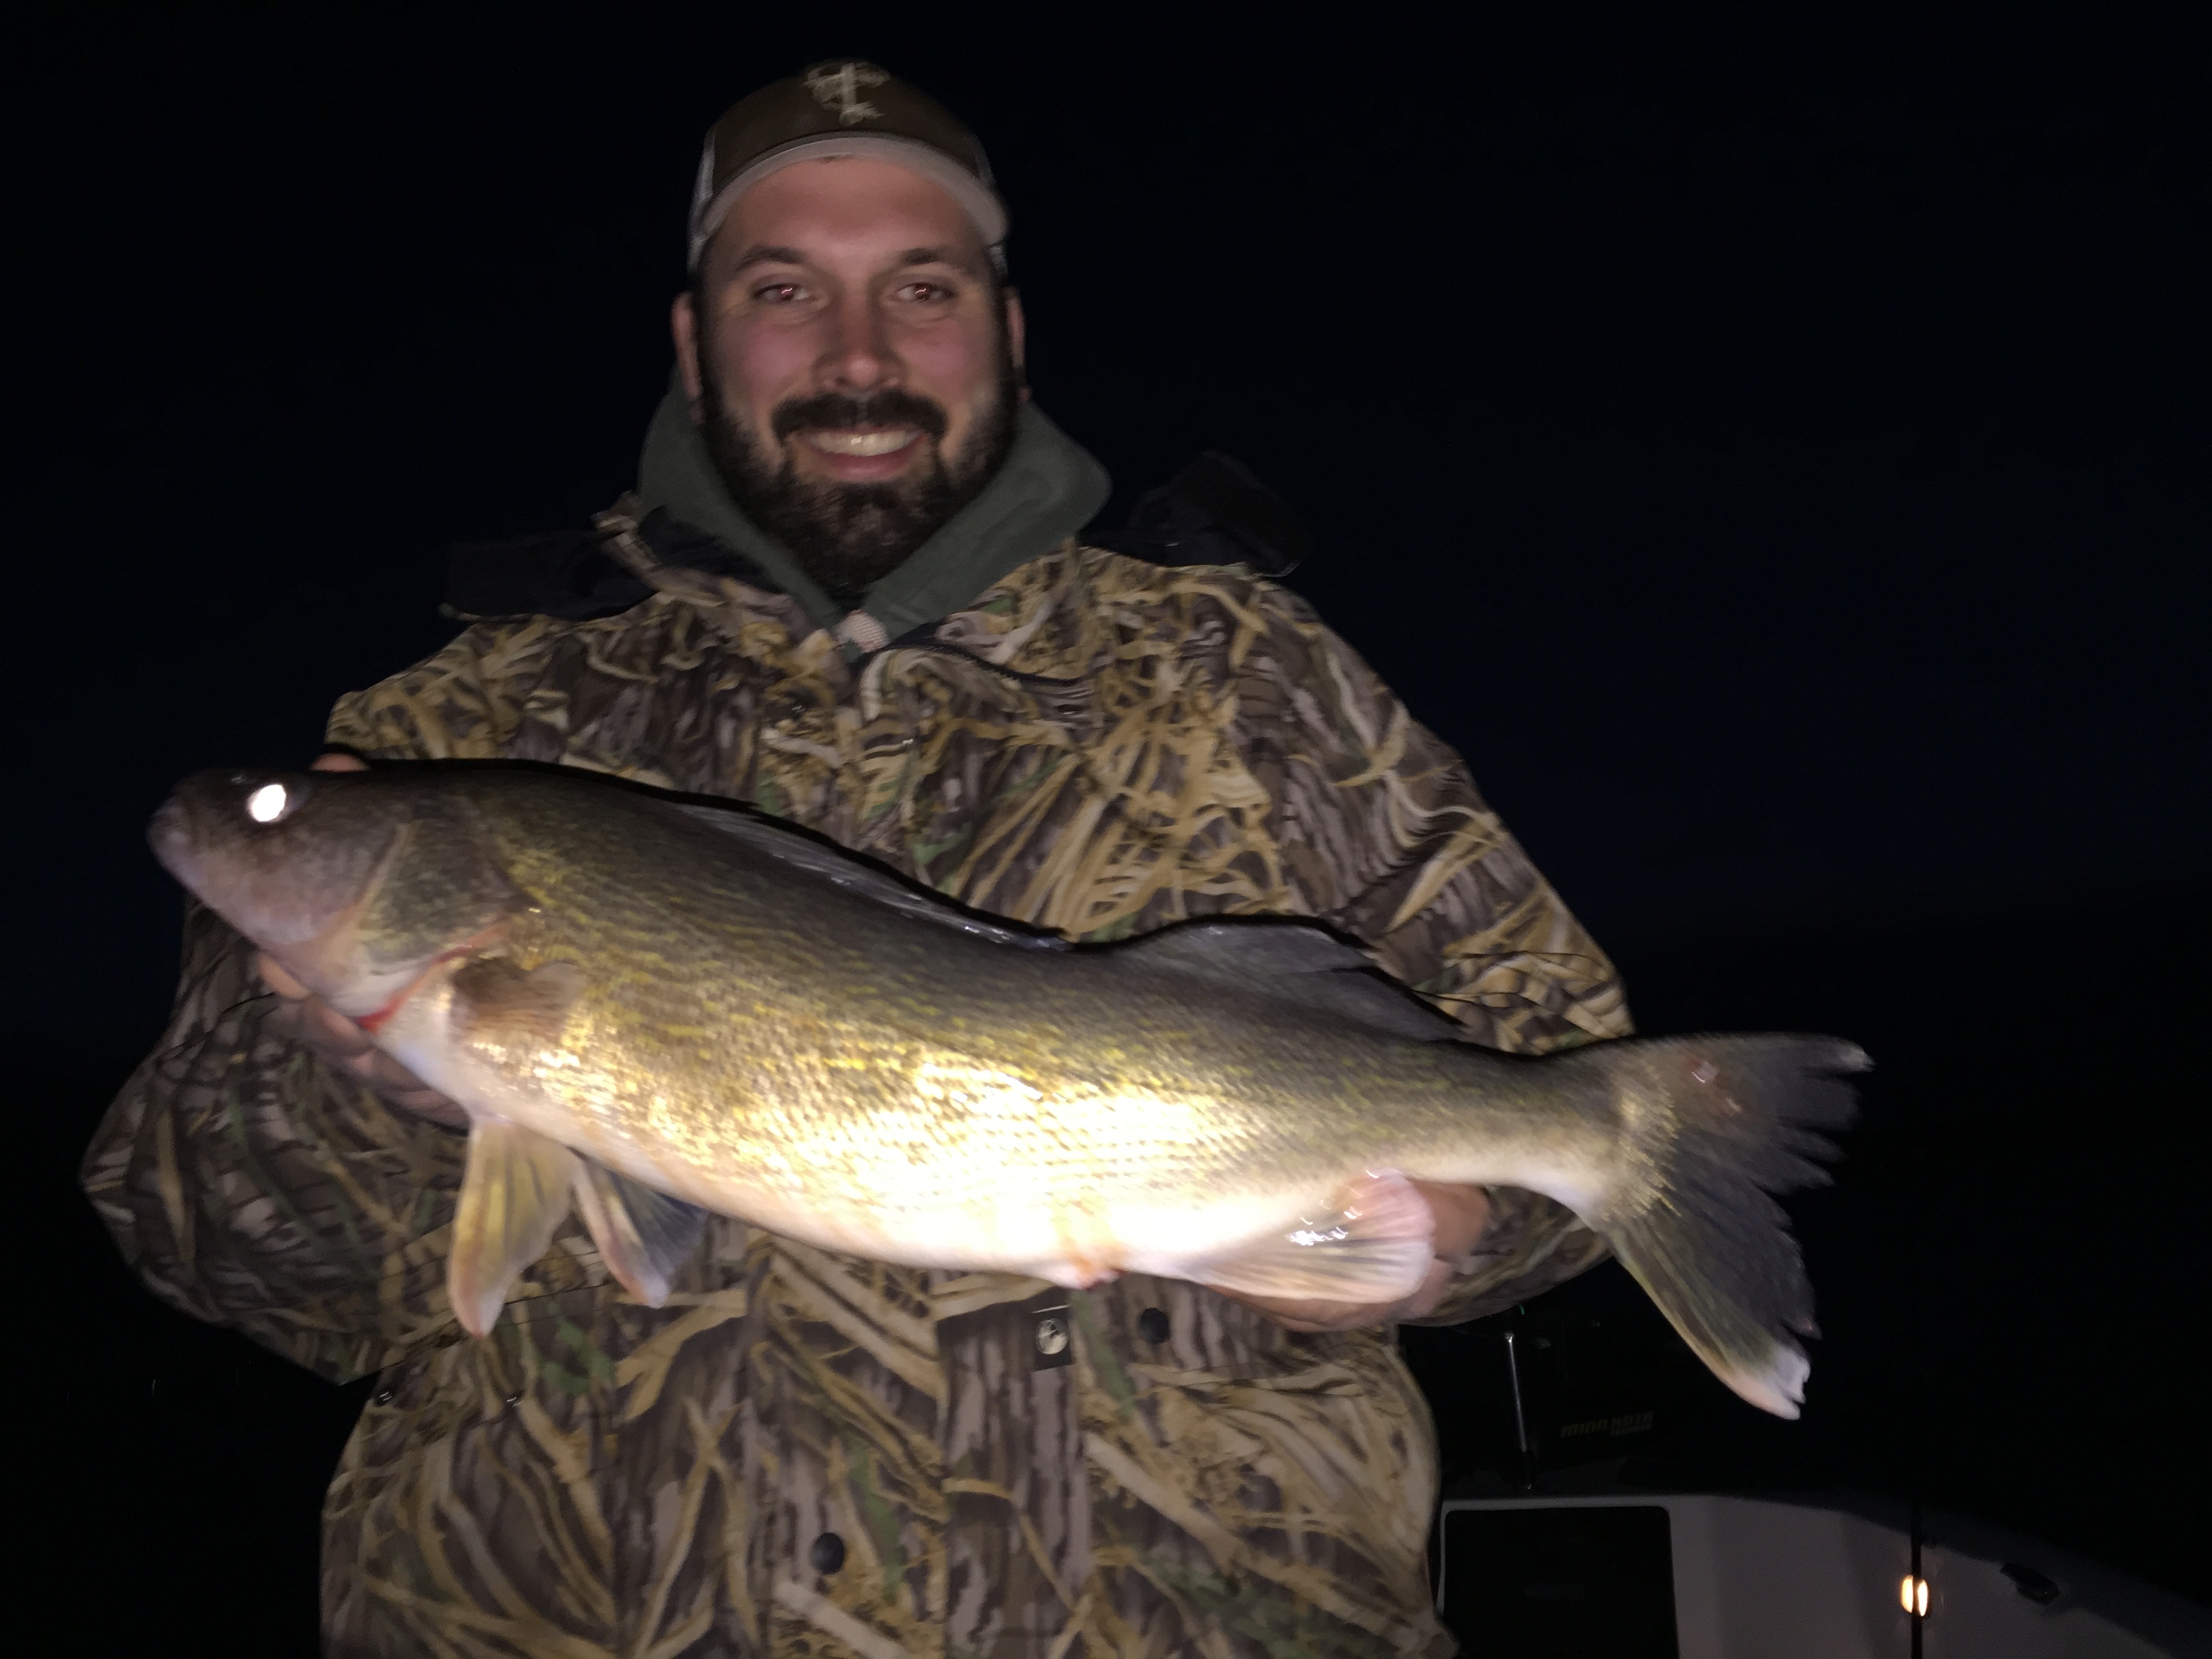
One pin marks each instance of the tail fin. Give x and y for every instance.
(1716, 1124)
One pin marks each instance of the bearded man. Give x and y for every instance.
(851, 590)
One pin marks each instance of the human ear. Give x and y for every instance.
(683, 325)
(1017, 340)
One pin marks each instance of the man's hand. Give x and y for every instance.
(340, 1043)
(1463, 1217)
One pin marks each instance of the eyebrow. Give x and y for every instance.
(939, 256)
(771, 253)
(768, 254)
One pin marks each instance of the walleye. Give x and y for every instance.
(652, 1008)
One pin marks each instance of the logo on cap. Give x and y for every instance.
(838, 86)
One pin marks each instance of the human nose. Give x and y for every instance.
(859, 358)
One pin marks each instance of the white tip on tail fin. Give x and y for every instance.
(1779, 1388)
(1713, 1126)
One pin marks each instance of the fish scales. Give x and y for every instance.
(649, 1002)
(954, 1101)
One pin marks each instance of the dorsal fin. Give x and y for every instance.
(860, 876)
(1293, 962)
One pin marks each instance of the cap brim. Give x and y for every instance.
(976, 199)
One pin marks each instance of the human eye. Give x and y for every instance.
(926, 291)
(779, 294)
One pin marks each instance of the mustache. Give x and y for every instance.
(889, 407)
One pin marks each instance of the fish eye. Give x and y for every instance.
(271, 802)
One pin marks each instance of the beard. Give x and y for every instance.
(849, 537)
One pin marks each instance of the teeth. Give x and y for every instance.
(863, 443)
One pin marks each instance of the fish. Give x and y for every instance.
(654, 1007)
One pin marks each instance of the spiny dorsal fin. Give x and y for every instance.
(860, 875)
(1292, 963)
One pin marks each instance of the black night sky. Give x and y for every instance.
(1775, 453)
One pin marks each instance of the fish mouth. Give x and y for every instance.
(170, 835)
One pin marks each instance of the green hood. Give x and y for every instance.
(1048, 490)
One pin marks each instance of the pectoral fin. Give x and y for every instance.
(643, 1236)
(515, 1194)
(498, 1006)
(1374, 1244)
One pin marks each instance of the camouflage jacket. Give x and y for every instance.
(805, 1454)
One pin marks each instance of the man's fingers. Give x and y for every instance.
(428, 1102)
(1424, 1301)
(343, 1044)
(333, 1032)
(1462, 1216)
(391, 1081)
(278, 978)
(382, 1072)
(337, 762)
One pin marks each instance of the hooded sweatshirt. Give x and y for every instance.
(1048, 489)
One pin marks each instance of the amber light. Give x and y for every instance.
(1912, 1596)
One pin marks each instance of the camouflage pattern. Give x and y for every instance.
(1098, 745)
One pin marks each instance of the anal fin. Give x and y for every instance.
(643, 1236)
(1374, 1244)
(516, 1193)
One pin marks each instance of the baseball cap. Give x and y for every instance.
(843, 108)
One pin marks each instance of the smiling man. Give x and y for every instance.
(853, 588)
(853, 359)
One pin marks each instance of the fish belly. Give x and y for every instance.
(1071, 1191)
